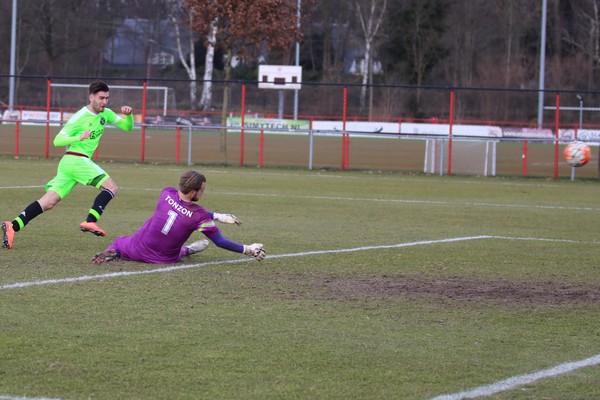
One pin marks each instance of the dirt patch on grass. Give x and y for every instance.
(462, 289)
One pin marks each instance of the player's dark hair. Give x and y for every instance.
(191, 180)
(98, 86)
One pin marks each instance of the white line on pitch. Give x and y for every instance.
(188, 266)
(364, 199)
(544, 239)
(519, 380)
(7, 397)
(409, 201)
(21, 187)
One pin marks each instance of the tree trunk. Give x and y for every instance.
(225, 109)
(190, 67)
(206, 99)
(192, 74)
(365, 75)
(371, 89)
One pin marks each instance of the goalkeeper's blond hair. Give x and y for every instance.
(191, 180)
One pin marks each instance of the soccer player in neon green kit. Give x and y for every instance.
(81, 135)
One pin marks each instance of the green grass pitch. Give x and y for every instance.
(375, 286)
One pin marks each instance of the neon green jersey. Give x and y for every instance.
(84, 120)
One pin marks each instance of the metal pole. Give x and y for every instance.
(280, 112)
(297, 59)
(580, 125)
(311, 146)
(13, 51)
(542, 65)
(580, 110)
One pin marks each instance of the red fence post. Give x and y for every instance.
(557, 126)
(48, 98)
(451, 122)
(242, 136)
(345, 162)
(261, 149)
(144, 99)
(347, 151)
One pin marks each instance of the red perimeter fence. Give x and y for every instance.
(487, 132)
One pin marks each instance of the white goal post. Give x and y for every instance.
(469, 156)
(164, 89)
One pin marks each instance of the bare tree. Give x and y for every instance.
(5, 32)
(243, 27)
(211, 41)
(467, 35)
(557, 28)
(370, 15)
(55, 27)
(414, 46)
(584, 35)
(180, 14)
(515, 18)
(327, 37)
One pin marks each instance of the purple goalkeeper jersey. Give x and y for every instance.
(161, 238)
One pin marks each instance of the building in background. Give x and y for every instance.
(141, 42)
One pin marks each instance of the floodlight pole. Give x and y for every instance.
(13, 51)
(580, 110)
(542, 65)
(297, 59)
(280, 109)
(580, 125)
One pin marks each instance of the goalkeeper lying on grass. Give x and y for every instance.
(176, 217)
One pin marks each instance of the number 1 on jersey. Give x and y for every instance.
(169, 224)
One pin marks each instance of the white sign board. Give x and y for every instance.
(279, 77)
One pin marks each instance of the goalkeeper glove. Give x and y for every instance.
(226, 218)
(255, 250)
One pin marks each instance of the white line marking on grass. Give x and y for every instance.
(545, 239)
(329, 174)
(21, 187)
(189, 266)
(519, 380)
(114, 274)
(500, 386)
(7, 397)
(408, 201)
(390, 246)
(379, 200)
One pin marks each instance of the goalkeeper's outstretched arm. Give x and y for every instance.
(255, 250)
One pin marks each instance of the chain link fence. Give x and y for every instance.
(432, 130)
